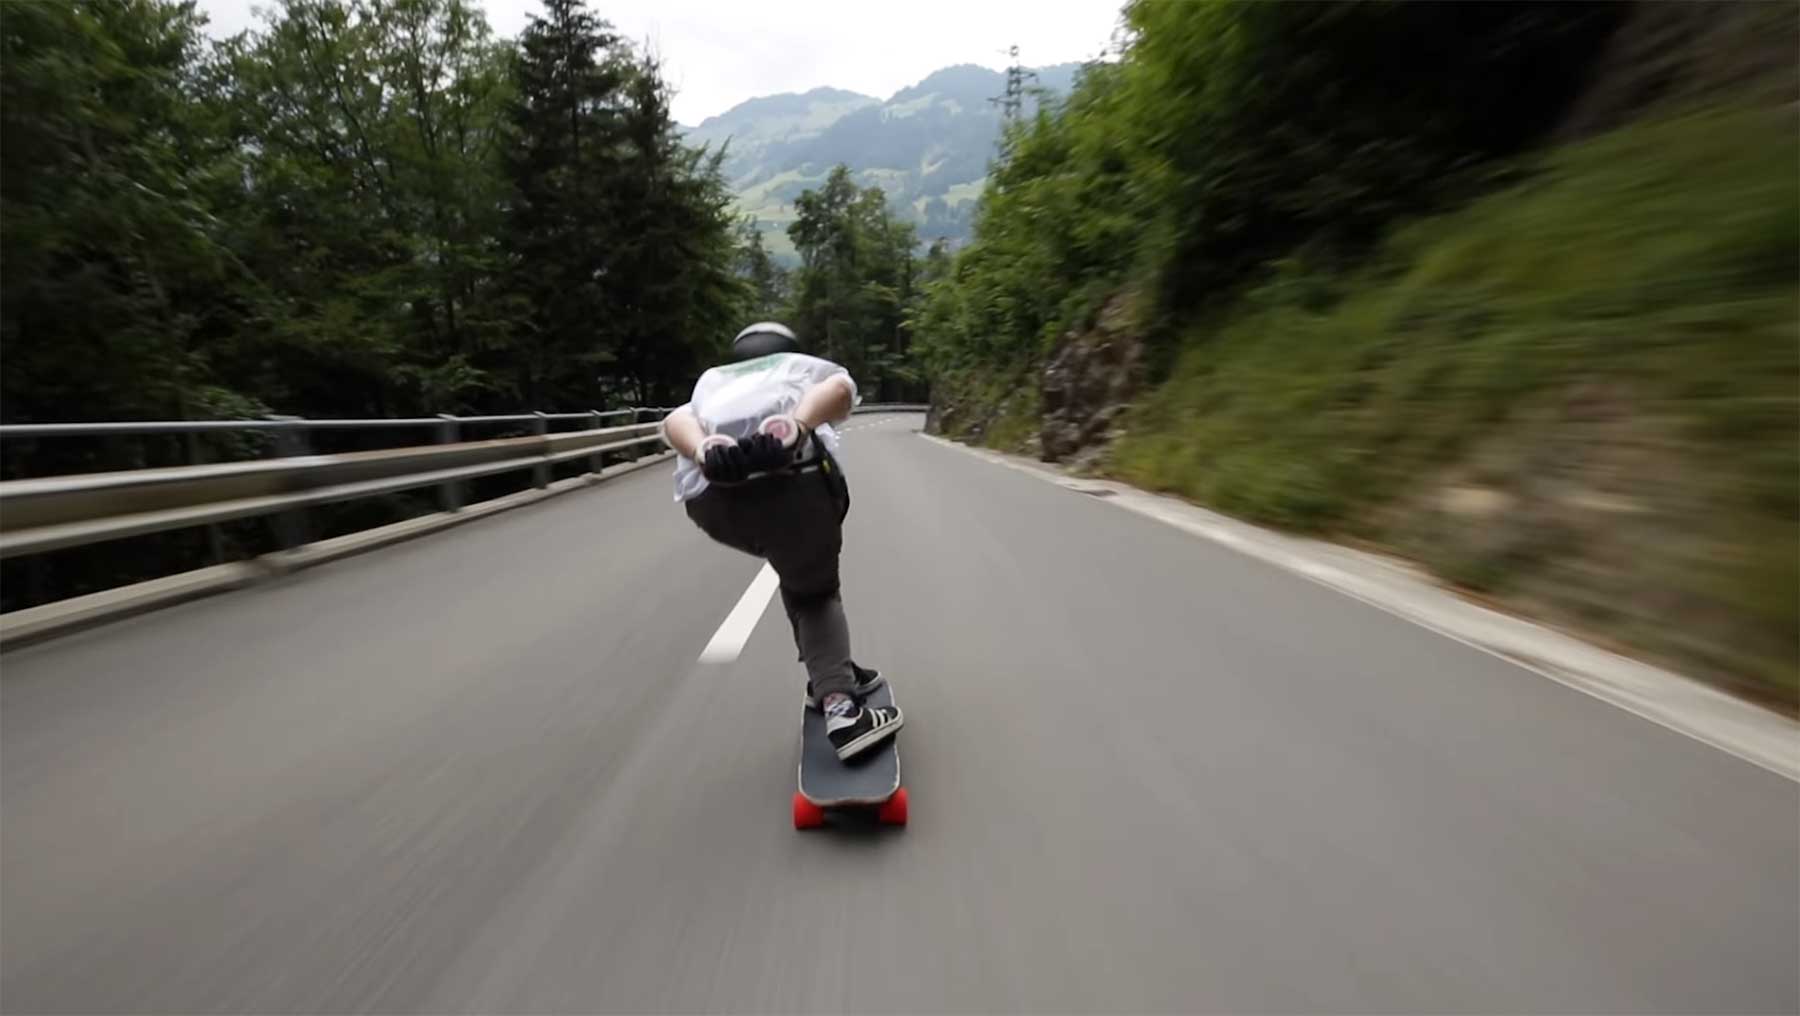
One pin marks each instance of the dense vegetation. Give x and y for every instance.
(372, 208)
(855, 282)
(1233, 134)
(362, 209)
(1506, 288)
(359, 209)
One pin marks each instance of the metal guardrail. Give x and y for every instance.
(299, 424)
(51, 513)
(67, 511)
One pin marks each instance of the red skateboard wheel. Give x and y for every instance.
(807, 815)
(893, 810)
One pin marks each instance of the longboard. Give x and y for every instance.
(868, 783)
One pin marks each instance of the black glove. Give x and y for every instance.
(725, 463)
(764, 452)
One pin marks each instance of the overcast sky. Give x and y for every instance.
(717, 53)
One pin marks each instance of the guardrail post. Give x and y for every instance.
(215, 543)
(290, 441)
(449, 429)
(540, 473)
(597, 461)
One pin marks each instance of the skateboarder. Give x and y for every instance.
(756, 472)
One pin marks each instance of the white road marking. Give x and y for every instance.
(1670, 700)
(735, 630)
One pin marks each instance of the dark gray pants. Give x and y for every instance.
(794, 522)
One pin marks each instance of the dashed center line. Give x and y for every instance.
(735, 630)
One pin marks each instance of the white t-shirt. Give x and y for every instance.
(736, 398)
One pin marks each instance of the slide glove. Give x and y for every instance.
(724, 461)
(765, 453)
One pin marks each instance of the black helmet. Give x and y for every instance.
(763, 338)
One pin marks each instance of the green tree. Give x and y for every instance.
(567, 129)
(368, 201)
(855, 282)
(358, 208)
(619, 238)
(767, 280)
(113, 264)
(1231, 135)
(673, 287)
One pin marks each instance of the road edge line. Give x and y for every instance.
(1670, 700)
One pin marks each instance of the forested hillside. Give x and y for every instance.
(1505, 288)
(927, 146)
(357, 209)
(373, 209)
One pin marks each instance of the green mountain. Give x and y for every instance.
(927, 146)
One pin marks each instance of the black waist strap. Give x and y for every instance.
(817, 460)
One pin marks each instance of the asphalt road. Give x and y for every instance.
(484, 771)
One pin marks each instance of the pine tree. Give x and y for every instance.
(766, 279)
(855, 280)
(567, 128)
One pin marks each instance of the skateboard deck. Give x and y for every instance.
(870, 782)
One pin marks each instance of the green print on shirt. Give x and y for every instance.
(734, 369)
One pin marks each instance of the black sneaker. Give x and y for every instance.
(855, 728)
(866, 682)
